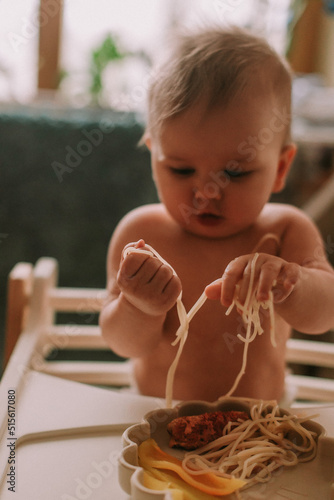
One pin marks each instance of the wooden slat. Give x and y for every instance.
(304, 49)
(311, 388)
(309, 352)
(77, 299)
(50, 18)
(18, 291)
(41, 314)
(113, 373)
(76, 337)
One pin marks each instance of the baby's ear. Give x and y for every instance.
(284, 164)
(147, 140)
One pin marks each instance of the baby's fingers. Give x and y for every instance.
(132, 247)
(231, 278)
(270, 272)
(286, 282)
(213, 291)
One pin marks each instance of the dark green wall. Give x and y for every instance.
(67, 178)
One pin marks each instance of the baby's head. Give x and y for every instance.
(215, 66)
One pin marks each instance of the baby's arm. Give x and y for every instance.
(302, 280)
(141, 291)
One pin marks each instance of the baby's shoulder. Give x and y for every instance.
(141, 223)
(296, 231)
(284, 215)
(145, 216)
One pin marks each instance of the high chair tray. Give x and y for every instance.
(66, 464)
(69, 437)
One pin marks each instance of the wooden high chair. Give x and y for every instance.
(59, 438)
(31, 333)
(34, 299)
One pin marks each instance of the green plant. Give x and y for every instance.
(107, 52)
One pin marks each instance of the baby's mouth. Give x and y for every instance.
(209, 218)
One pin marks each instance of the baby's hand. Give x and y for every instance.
(271, 274)
(146, 282)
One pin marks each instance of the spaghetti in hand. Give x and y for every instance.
(271, 274)
(245, 298)
(250, 311)
(146, 280)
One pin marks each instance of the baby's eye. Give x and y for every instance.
(182, 172)
(234, 174)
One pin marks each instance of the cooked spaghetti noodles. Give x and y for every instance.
(253, 449)
(250, 315)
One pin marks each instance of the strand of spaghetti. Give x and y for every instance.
(184, 319)
(260, 446)
(268, 236)
(245, 317)
(250, 316)
(171, 372)
(181, 337)
(270, 305)
(246, 307)
(148, 250)
(250, 319)
(195, 308)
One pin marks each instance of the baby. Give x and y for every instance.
(219, 135)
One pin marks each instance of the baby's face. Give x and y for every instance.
(215, 170)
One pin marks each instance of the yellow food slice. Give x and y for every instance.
(153, 483)
(151, 456)
(156, 478)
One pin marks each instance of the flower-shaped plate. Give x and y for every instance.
(310, 480)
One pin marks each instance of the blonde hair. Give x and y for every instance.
(217, 65)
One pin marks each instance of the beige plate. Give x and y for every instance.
(312, 480)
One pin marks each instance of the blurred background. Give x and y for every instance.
(73, 81)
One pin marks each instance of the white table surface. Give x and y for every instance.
(68, 439)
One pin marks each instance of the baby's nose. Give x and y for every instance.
(208, 190)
